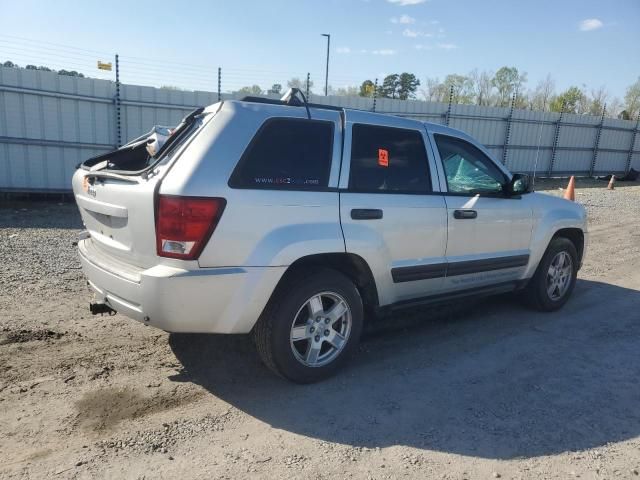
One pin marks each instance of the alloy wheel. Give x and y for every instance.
(320, 330)
(559, 275)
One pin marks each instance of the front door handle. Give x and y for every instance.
(366, 214)
(464, 214)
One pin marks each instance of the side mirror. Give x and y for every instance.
(519, 184)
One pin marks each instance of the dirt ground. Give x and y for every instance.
(491, 391)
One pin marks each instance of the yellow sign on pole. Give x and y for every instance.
(104, 65)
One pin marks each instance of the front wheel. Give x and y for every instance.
(555, 277)
(311, 326)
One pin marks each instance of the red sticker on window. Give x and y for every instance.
(383, 157)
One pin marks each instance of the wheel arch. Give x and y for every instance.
(574, 235)
(351, 265)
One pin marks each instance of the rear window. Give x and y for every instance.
(385, 159)
(287, 154)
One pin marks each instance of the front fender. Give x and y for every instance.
(551, 214)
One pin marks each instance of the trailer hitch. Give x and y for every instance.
(101, 308)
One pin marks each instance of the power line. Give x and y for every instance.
(147, 70)
(55, 44)
(38, 59)
(159, 65)
(45, 55)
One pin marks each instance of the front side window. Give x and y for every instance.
(385, 159)
(468, 170)
(287, 154)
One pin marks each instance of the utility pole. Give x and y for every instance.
(326, 77)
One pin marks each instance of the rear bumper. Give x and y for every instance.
(207, 300)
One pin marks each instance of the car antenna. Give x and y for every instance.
(290, 98)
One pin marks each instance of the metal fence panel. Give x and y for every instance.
(610, 162)
(49, 123)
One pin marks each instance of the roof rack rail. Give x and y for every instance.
(272, 101)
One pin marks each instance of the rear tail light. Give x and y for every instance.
(185, 224)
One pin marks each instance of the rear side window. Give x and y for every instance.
(385, 159)
(287, 154)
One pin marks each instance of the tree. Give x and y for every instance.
(435, 91)
(522, 100)
(632, 100)
(462, 88)
(349, 91)
(541, 97)
(598, 100)
(481, 86)
(295, 82)
(367, 89)
(407, 86)
(275, 89)
(573, 99)
(252, 90)
(507, 80)
(390, 86)
(402, 86)
(70, 73)
(614, 108)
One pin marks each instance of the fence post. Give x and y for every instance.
(597, 144)
(118, 117)
(219, 83)
(448, 115)
(307, 89)
(556, 138)
(507, 134)
(633, 144)
(375, 94)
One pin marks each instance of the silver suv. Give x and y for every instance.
(297, 223)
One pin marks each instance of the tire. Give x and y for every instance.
(537, 293)
(305, 347)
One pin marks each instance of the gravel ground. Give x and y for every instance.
(492, 391)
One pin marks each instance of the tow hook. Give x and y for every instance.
(101, 308)
(83, 235)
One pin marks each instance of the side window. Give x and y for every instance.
(287, 154)
(468, 170)
(388, 160)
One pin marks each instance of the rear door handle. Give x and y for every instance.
(464, 214)
(366, 214)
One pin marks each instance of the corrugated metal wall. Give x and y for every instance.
(49, 123)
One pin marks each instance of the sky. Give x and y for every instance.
(588, 43)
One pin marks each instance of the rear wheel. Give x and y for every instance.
(311, 326)
(555, 277)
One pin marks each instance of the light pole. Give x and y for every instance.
(326, 77)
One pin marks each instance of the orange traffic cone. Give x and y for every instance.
(570, 192)
(611, 183)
